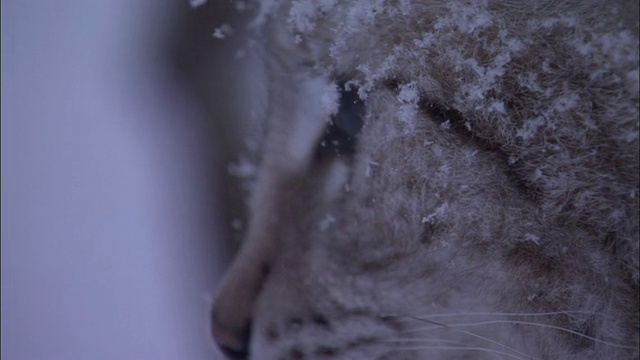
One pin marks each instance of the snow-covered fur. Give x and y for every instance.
(490, 209)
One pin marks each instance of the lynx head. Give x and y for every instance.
(442, 180)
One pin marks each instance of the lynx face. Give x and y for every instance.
(476, 200)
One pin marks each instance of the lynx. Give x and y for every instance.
(441, 180)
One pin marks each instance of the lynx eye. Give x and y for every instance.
(339, 138)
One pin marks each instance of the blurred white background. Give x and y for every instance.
(111, 216)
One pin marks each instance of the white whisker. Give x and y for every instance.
(465, 348)
(414, 340)
(496, 343)
(472, 334)
(515, 322)
(550, 313)
(410, 340)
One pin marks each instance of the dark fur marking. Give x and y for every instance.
(321, 321)
(383, 263)
(441, 113)
(536, 258)
(428, 229)
(296, 354)
(271, 333)
(588, 329)
(294, 324)
(362, 341)
(326, 351)
(265, 269)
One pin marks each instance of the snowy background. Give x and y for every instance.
(112, 227)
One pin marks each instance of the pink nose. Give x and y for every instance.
(232, 342)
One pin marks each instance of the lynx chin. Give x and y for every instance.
(441, 180)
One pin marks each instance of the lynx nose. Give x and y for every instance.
(232, 342)
(233, 307)
(232, 310)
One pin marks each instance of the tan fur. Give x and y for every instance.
(510, 231)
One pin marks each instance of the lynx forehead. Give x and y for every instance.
(442, 180)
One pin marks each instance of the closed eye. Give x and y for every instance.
(340, 136)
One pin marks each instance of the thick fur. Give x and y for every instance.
(491, 208)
